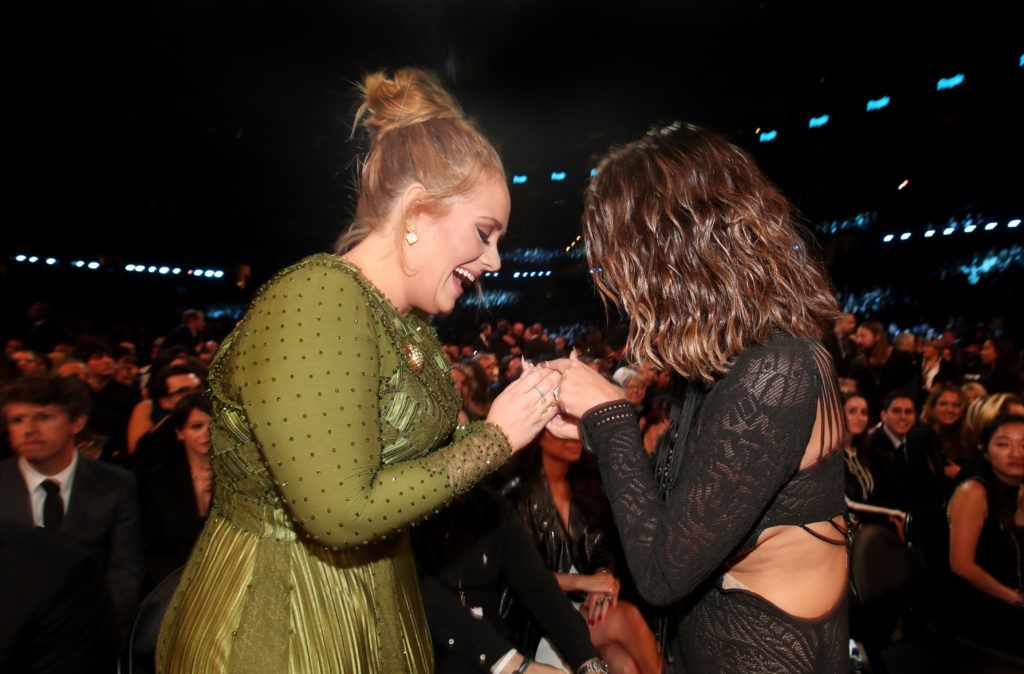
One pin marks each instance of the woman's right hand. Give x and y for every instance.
(525, 406)
(598, 583)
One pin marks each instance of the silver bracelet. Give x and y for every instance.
(593, 666)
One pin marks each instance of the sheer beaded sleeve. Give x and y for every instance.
(307, 374)
(749, 440)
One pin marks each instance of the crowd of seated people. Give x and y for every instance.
(932, 424)
(941, 442)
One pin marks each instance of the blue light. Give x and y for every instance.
(164, 270)
(929, 234)
(519, 180)
(888, 238)
(878, 103)
(33, 259)
(990, 226)
(970, 228)
(1013, 224)
(767, 136)
(817, 122)
(51, 261)
(904, 236)
(1020, 63)
(78, 263)
(20, 258)
(593, 172)
(548, 274)
(947, 231)
(176, 271)
(515, 274)
(949, 82)
(557, 176)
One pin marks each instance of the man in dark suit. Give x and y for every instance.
(902, 462)
(839, 345)
(46, 483)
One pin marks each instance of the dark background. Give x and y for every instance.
(216, 134)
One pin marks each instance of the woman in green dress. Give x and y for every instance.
(334, 415)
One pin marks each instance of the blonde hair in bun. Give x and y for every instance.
(418, 133)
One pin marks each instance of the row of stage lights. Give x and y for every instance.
(950, 230)
(815, 122)
(518, 274)
(93, 265)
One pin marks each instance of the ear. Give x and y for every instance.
(413, 200)
(78, 423)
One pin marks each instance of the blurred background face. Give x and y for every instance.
(856, 409)
(195, 434)
(557, 449)
(178, 385)
(988, 353)
(948, 408)
(1006, 452)
(635, 391)
(74, 368)
(461, 383)
(102, 365)
(28, 362)
(928, 351)
(864, 338)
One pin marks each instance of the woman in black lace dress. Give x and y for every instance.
(737, 522)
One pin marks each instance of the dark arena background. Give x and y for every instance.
(169, 155)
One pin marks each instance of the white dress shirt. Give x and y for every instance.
(34, 482)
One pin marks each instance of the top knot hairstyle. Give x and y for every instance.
(417, 133)
(700, 250)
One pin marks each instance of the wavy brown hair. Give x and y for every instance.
(702, 252)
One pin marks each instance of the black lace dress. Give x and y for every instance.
(739, 475)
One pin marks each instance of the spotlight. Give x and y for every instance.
(208, 273)
(20, 258)
(947, 231)
(519, 180)
(903, 184)
(129, 267)
(1013, 224)
(94, 265)
(990, 226)
(949, 82)
(78, 263)
(970, 228)
(767, 136)
(817, 122)
(164, 270)
(218, 274)
(151, 269)
(904, 236)
(515, 274)
(51, 261)
(33, 259)
(176, 271)
(888, 238)
(557, 176)
(929, 234)
(197, 272)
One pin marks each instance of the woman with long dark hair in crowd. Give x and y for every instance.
(943, 415)
(563, 505)
(860, 483)
(1000, 363)
(986, 540)
(742, 516)
(334, 411)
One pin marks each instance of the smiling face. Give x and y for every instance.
(900, 416)
(856, 410)
(455, 249)
(947, 408)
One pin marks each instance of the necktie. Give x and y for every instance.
(53, 506)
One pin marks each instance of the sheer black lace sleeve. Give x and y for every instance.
(751, 434)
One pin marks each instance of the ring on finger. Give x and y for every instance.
(554, 393)
(539, 393)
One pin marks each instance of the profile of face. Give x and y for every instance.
(178, 386)
(947, 409)
(900, 416)
(462, 384)
(856, 410)
(42, 434)
(1005, 452)
(195, 434)
(455, 249)
(864, 338)
(988, 353)
(558, 449)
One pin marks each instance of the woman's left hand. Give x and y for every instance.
(597, 604)
(582, 388)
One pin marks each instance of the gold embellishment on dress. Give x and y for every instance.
(414, 355)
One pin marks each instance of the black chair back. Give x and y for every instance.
(142, 642)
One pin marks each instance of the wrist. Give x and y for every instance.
(527, 660)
